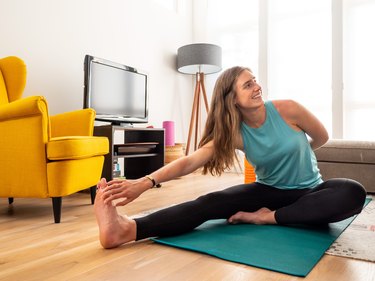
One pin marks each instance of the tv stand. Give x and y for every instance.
(125, 125)
(140, 150)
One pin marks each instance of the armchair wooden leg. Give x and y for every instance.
(10, 200)
(93, 194)
(56, 204)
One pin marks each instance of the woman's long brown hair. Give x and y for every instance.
(223, 123)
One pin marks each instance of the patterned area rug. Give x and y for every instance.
(355, 241)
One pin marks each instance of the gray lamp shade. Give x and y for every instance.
(200, 57)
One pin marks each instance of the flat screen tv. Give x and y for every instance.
(117, 92)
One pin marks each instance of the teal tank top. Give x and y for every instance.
(281, 156)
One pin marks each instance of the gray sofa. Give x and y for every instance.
(348, 159)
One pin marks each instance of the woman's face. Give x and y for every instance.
(248, 91)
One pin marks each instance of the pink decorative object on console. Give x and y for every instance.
(169, 133)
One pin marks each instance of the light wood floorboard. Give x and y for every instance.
(34, 248)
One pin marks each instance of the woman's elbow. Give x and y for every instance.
(325, 136)
(319, 142)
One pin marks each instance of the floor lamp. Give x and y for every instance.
(198, 59)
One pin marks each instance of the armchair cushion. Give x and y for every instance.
(76, 147)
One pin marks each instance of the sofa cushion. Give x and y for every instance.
(347, 151)
(363, 173)
(76, 147)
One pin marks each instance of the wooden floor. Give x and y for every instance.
(32, 247)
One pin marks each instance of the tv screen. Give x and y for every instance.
(117, 92)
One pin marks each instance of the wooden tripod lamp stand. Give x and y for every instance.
(198, 59)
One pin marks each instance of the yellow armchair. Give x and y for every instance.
(43, 156)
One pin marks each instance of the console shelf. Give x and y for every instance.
(135, 155)
(140, 149)
(135, 148)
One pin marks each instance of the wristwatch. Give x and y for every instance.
(154, 184)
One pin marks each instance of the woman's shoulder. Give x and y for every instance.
(285, 103)
(286, 107)
(290, 110)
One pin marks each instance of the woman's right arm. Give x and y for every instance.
(184, 165)
(128, 190)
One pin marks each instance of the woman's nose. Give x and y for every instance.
(258, 87)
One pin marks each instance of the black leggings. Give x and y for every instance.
(331, 201)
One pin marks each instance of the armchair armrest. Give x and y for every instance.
(24, 127)
(73, 123)
(26, 107)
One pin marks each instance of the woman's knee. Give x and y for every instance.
(356, 188)
(354, 192)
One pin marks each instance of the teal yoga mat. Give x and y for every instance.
(290, 250)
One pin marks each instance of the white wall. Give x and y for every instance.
(52, 37)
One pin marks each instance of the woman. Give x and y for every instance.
(288, 190)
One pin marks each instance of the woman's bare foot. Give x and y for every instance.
(114, 229)
(262, 216)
